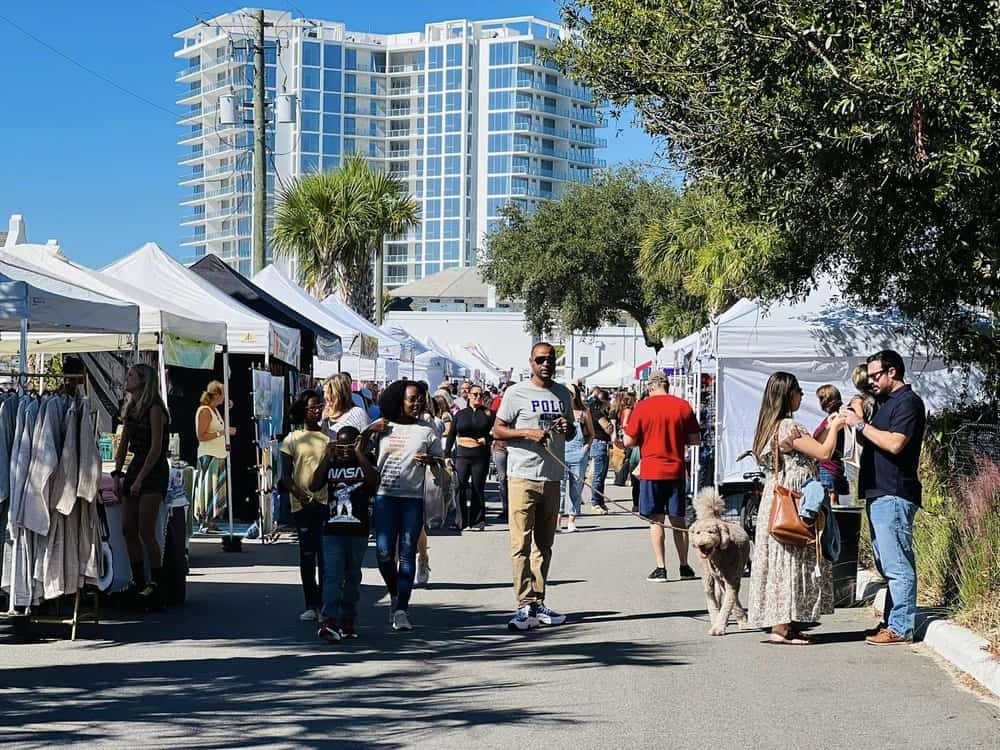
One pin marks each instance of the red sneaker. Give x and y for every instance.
(347, 629)
(329, 631)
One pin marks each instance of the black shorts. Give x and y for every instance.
(662, 497)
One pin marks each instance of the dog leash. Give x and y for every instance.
(607, 499)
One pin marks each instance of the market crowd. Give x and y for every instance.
(389, 465)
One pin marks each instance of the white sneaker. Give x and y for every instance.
(310, 615)
(400, 621)
(570, 527)
(523, 619)
(423, 571)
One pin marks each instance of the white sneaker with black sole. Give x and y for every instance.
(545, 616)
(400, 620)
(522, 620)
(423, 571)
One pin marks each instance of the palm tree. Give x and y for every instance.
(333, 224)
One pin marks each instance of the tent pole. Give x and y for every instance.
(17, 533)
(162, 366)
(225, 415)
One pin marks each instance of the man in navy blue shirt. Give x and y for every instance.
(889, 483)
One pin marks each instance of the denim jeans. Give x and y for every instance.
(309, 524)
(599, 454)
(500, 461)
(572, 484)
(890, 519)
(342, 560)
(398, 521)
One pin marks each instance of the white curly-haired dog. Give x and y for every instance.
(723, 548)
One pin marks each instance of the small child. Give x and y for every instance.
(350, 477)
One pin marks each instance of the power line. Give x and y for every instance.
(87, 69)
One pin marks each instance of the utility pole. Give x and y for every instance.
(259, 219)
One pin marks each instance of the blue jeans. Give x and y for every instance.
(342, 559)
(572, 485)
(309, 524)
(599, 454)
(398, 522)
(890, 519)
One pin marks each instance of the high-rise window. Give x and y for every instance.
(503, 54)
(453, 79)
(331, 80)
(331, 55)
(501, 78)
(331, 124)
(435, 80)
(435, 58)
(310, 78)
(454, 55)
(310, 53)
(453, 144)
(453, 101)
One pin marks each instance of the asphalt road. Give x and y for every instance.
(633, 667)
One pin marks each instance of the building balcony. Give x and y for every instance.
(530, 192)
(414, 68)
(187, 73)
(226, 234)
(550, 174)
(215, 174)
(406, 133)
(578, 156)
(196, 117)
(580, 93)
(537, 62)
(191, 138)
(589, 116)
(213, 194)
(205, 217)
(409, 91)
(569, 135)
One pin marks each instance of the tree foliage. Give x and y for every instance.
(333, 223)
(573, 261)
(866, 134)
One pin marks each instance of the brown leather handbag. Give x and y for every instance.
(785, 524)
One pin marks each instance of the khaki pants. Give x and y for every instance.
(533, 508)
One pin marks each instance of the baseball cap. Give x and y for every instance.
(657, 377)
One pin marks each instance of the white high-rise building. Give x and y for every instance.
(468, 113)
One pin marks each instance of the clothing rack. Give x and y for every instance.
(93, 615)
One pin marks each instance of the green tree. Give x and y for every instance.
(573, 261)
(335, 225)
(867, 134)
(705, 244)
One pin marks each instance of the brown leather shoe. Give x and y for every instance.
(875, 631)
(887, 637)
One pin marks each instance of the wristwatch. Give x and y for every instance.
(860, 427)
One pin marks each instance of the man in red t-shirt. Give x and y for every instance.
(663, 426)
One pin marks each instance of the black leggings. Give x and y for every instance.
(309, 523)
(476, 469)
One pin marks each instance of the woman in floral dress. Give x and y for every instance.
(785, 591)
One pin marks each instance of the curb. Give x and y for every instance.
(966, 651)
(959, 646)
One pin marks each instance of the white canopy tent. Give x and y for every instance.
(820, 340)
(275, 283)
(389, 347)
(610, 375)
(247, 332)
(158, 318)
(32, 302)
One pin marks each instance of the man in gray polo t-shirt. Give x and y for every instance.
(535, 419)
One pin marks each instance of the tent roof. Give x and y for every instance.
(316, 339)
(610, 375)
(822, 326)
(52, 305)
(389, 346)
(452, 282)
(156, 315)
(247, 331)
(273, 281)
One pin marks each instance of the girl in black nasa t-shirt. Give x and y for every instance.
(351, 479)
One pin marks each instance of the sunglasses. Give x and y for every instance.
(877, 374)
(475, 394)
(543, 360)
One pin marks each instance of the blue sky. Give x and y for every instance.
(95, 168)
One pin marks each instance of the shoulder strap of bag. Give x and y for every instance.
(775, 453)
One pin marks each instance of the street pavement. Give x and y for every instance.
(633, 667)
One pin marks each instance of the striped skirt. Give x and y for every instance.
(211, 497)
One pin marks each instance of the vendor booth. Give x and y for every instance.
(820, 340)
(49, 449)
(254, 342)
